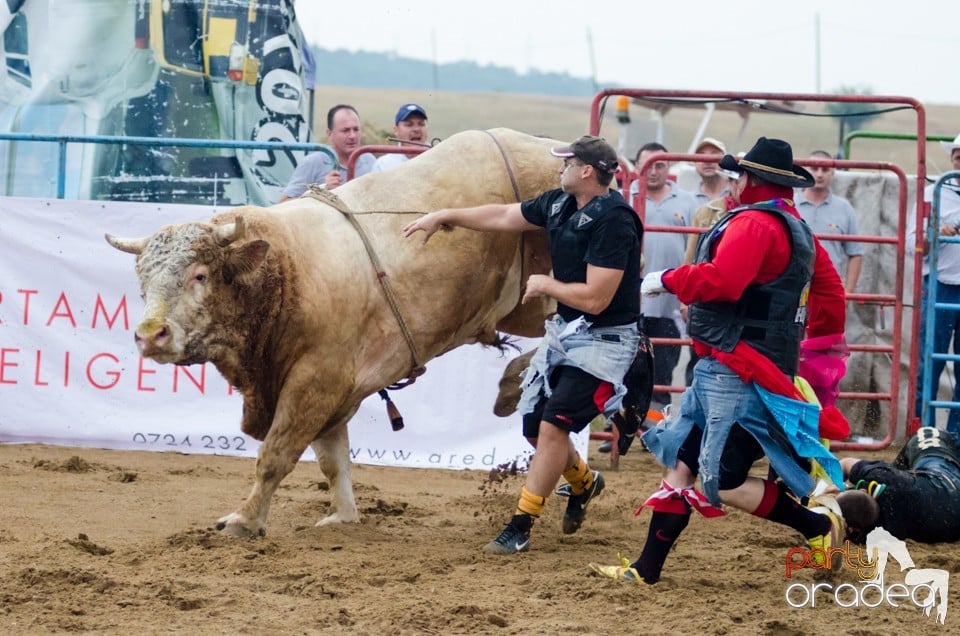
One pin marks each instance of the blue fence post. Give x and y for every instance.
(934, 240)
(62, 170)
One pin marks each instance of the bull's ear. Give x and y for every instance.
(244, 260)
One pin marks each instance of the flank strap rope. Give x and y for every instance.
(516, 196)
(334, 201)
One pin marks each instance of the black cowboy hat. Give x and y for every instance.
(771, 160)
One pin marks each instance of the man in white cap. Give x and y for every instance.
(706, 216)
(714, 184)
(577, 372)
(708, 213)
(409, 129)
(947, 324)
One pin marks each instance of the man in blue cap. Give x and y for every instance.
(410, 129)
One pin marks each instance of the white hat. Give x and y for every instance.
(951, 146)
(710, 141)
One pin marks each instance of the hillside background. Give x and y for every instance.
(467, 96)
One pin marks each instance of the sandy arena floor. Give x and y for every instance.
(110, 542)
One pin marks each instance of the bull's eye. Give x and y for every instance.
(200, 278)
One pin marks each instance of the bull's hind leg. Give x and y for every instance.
(333, 453)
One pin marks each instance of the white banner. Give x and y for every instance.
(70, 373)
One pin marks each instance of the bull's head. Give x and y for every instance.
(185, 272)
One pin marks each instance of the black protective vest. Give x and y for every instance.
(770, 317)
(571, 234)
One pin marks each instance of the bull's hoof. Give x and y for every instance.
(235, 526)
(339, 518)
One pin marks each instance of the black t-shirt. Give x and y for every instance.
(606, 233)
(916, 504)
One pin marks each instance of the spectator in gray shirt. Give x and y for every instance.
(343, 133)
(827, 213)
(666, 205)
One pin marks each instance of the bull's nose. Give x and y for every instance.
(151, 337)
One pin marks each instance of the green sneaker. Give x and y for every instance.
(833, 538)
(514, 538)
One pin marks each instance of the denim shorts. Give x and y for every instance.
(604, 352)
(717, 400)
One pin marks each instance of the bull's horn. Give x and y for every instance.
(230, 232)
(128, 245)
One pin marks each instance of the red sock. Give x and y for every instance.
(778, 506)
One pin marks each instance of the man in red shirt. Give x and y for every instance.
(759, 284)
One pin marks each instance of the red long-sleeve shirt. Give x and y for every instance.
(755, 249)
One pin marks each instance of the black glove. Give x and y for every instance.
(627, 431)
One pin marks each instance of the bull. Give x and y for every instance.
(291, 306)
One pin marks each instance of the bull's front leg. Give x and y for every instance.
(273, 464)
(281, 449)
(333, 452)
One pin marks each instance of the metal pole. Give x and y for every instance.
(875, 134)
(62, 170)
(930, 307)
(593, 59)
(63, 140)
(816, 47)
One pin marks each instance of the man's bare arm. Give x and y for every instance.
(493, 217)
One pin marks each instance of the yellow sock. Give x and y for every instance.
(580, 477)
(530, 504)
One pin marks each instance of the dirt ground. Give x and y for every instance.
(111, 542)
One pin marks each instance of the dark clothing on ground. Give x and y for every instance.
(921, 500)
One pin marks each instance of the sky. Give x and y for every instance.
(908, 48)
